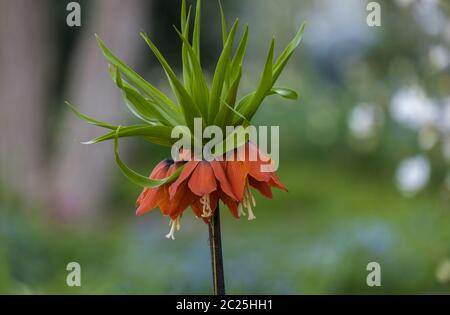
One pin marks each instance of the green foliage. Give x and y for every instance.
(158, 97)
(89, 119)
(136, 178)
(156, 134)
(215, 105)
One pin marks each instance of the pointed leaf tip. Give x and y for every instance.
(88, 119)
(285, 93)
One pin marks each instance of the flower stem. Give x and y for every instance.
(215, 244)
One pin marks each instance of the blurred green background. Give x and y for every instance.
(364, 152)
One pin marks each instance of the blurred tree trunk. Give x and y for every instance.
(81, 174)
(26, 55)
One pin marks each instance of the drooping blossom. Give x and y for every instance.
(202, 184)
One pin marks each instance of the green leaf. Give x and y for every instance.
(199, 86)
(183, 14)
(142, 108)
(135, 102)
(196, 34)
(117, 77)
(157, 96)
(244, 102)
(89, 119)
(229, 117)
(137, 178)
(225, 115)
(287, 53)
(284, 92)
(236, 63)
(156, 134)
(187, 72)
(219, 75)
(250, 104)
(189, 108)
(224, 24)
(235, 67)
(145, 109)
(232, 80)
(249, 107)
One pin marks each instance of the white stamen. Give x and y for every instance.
(251, 215)
(207, 211)
(174, 224)
(253, 198)
(241, 211)
(248, 203)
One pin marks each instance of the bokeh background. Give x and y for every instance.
(364, 152)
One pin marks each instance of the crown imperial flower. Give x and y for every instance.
(174, 186)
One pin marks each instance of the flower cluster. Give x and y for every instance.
(202, 184)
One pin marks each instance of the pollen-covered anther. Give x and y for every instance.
(174, 225)
(206, 207)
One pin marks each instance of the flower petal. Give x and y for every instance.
(230, 203)
(254, 169)
(275, 182)
(150, 197)
(165, 205)
(237, 175)
(197, 208)
(262, 187)
(187, 171)
(150, 202)
(160, 170)
(203, 181)
(255, 159)
(182, 199)
(214, 201)
(219, 173)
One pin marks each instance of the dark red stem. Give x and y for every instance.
(215, 244)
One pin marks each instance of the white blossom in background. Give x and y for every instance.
(413, 174)
(363, 120)
(443, 271)
(430, 16)
(439, 57)
(332, 25)
(411, 108)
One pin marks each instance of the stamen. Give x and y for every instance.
(253, 198)
(241, 211)
(174, 224)
(248, 203)
(207, 211)
(251, 215)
